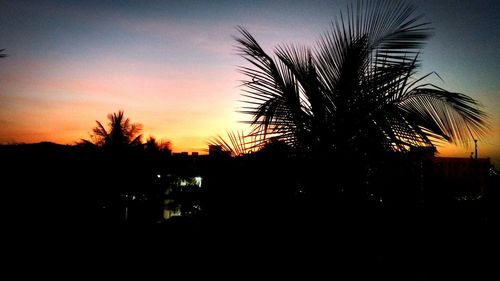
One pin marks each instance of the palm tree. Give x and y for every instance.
(355, 95)
(2, 55)
(120, 132)
(237, 143)
(356, 88)
(153, 145)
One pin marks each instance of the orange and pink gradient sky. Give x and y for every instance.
(171, 65)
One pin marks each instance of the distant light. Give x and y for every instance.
(198, 181)
(158, 176)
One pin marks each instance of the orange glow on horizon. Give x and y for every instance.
(174, 69)
(171, 106)
(184, 110)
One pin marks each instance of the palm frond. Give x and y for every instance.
(273, 90)
(237, 143)
(356, 89)
(453, 117)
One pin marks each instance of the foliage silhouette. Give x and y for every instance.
(153, 145)
(2, 55)
(120, 133)
(356, 91)
(354, 98)
(237, 143)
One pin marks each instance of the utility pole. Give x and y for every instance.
(475, 149)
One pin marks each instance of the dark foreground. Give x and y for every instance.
(57, 217)
(424, 246)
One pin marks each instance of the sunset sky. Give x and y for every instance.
(171, 65)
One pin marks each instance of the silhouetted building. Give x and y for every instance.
(216, 150)
(423, 151)
(428, 179)
(467, 177)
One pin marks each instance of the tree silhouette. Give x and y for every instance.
(2, 55)
(120, 132)
(153, 145)
(237, 143)
(355, 92)
(353, 99)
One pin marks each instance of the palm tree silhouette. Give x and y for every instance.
(237, 143)
(120, 132)
(2, 55)
(353, 99)
(355, 93)
(154, 145)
